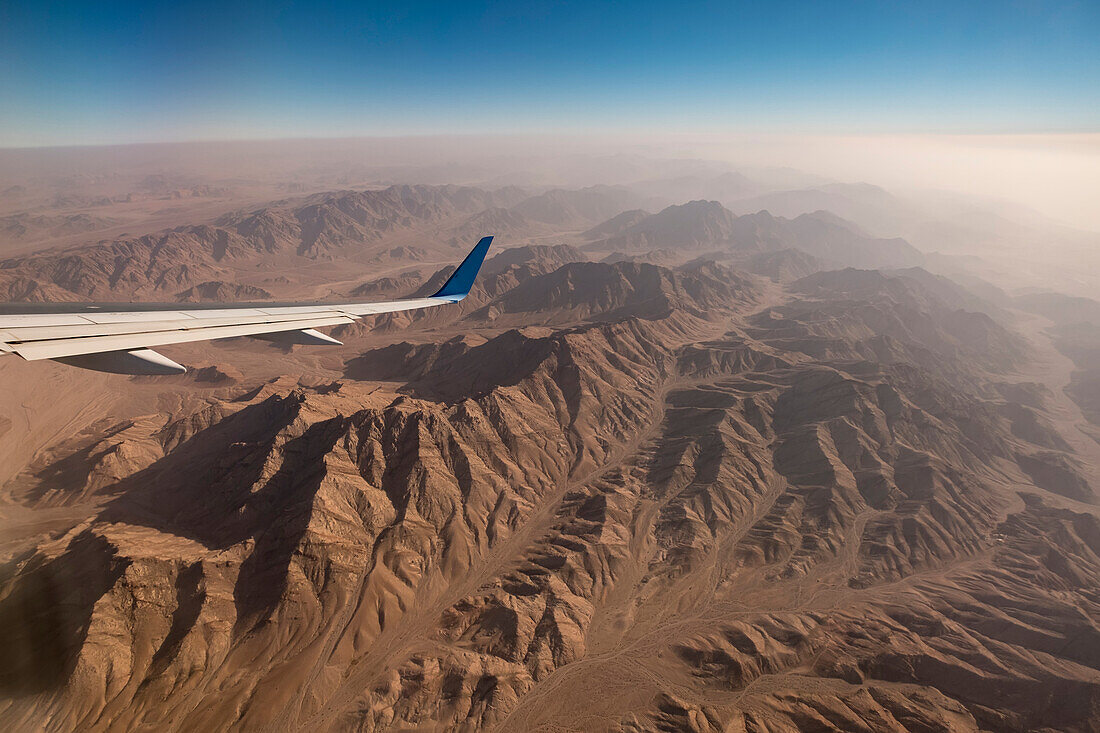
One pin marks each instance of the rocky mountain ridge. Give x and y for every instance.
(832, 504)
(705, 224)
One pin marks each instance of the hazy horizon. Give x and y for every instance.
(1057, 176)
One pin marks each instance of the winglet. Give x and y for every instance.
(461, 280)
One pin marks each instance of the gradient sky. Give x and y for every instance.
(81, 73)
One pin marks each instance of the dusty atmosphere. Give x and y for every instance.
(710, 447)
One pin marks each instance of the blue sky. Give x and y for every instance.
(79, 73)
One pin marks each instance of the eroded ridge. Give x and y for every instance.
(671, 505)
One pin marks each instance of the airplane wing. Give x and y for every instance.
(119, 341)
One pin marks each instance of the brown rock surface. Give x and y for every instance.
(594, 496)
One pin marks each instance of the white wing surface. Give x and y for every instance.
(120, 340)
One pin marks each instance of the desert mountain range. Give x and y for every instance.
(669, 467)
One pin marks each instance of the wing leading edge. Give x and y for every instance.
(120, 341)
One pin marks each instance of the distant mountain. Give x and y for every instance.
(216, 290)
(1062, 309)
(783, 265)
(335, 220)
(553, 255)
(389, 285)
(16, 288)
(23, 226)
(913, 284)
(872, 207)
(830, 238)
(685, 226)
(663, 257)
(319, 227)
(707, 223)
(578, 208)
(498, 221)
(1074, 331)
(616, 224)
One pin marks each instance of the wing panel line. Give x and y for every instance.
(34, 350)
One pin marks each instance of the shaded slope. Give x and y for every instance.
(825, 515)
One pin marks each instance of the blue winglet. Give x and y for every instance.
(461, 280)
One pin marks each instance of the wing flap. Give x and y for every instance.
(305, 337)
(137, 361)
